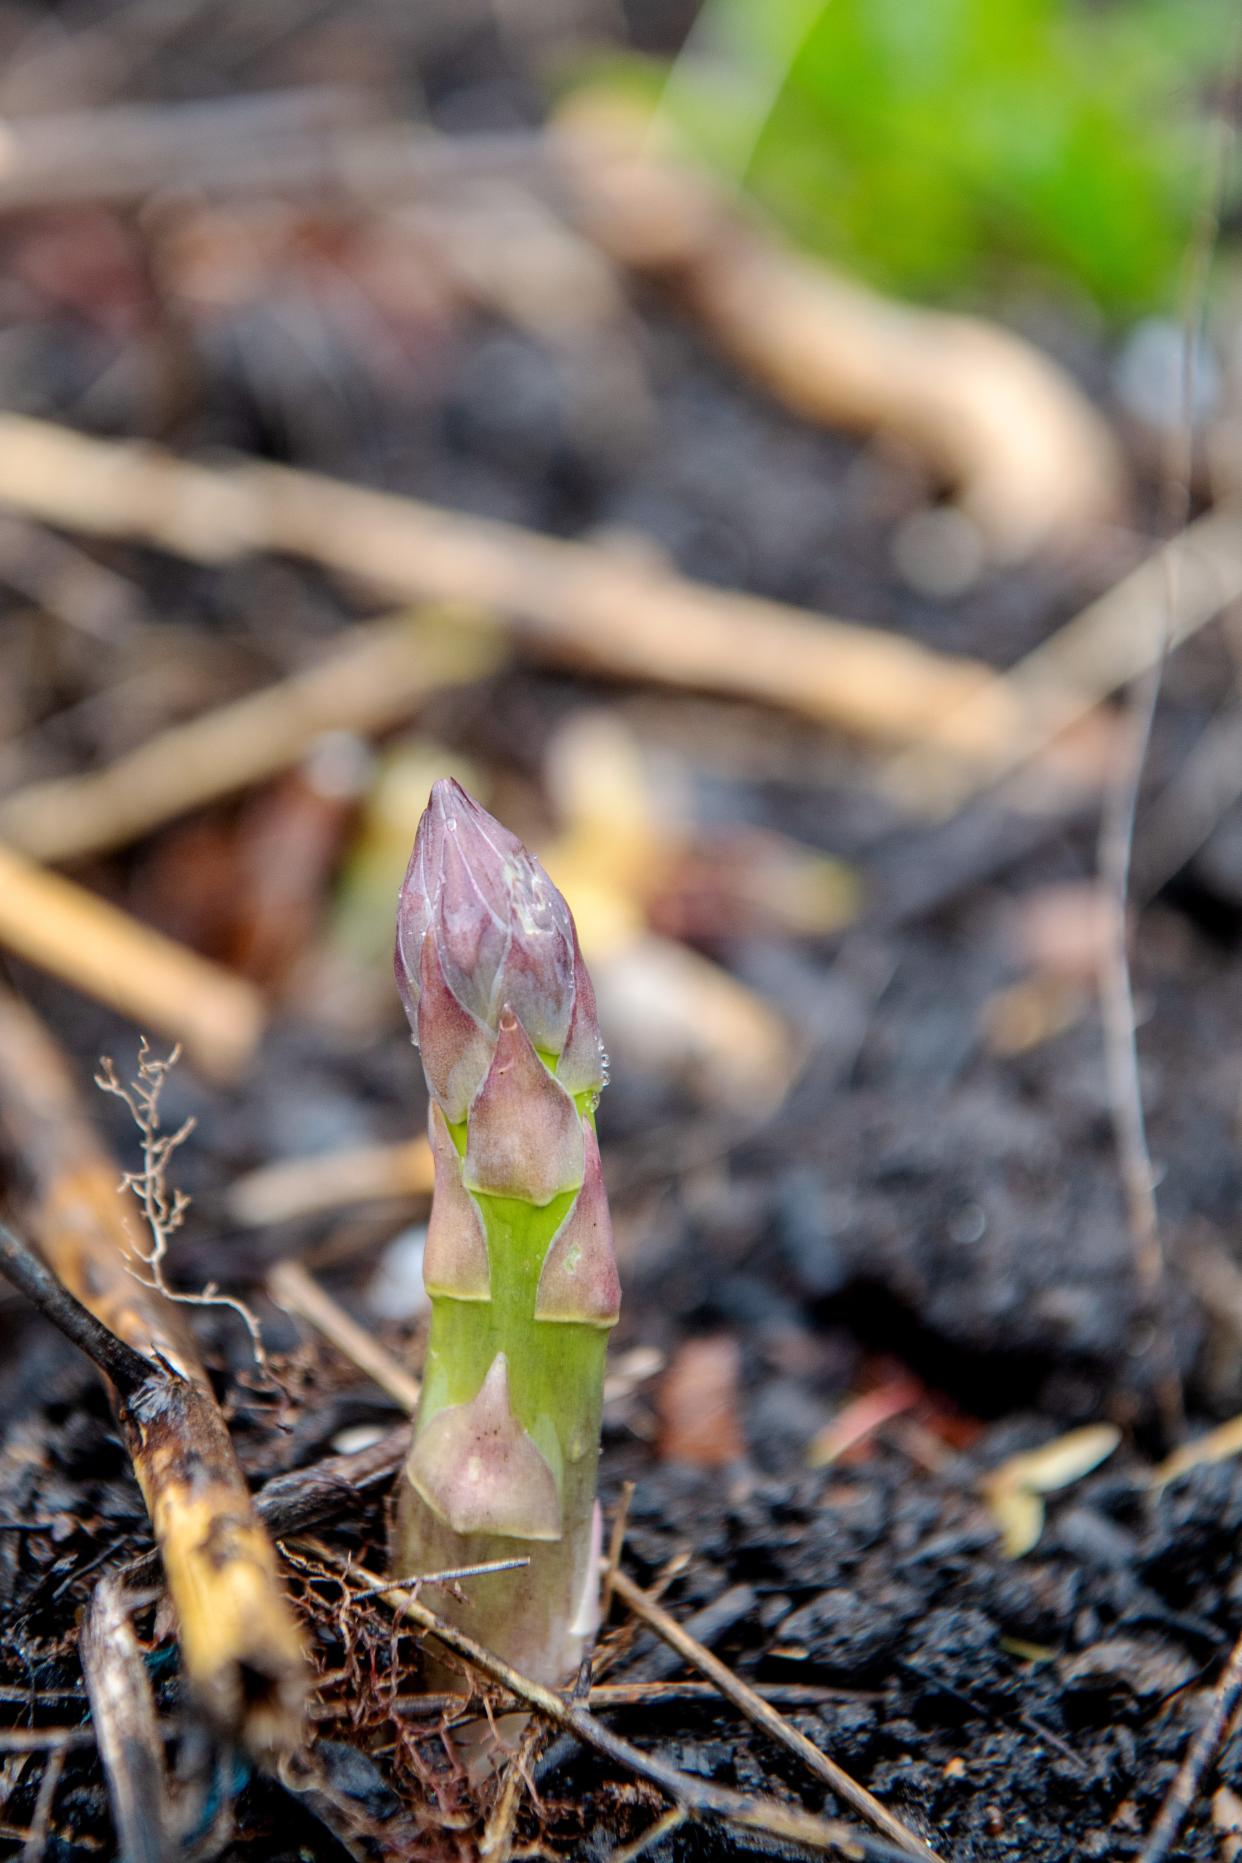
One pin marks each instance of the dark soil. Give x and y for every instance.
(920, 1207)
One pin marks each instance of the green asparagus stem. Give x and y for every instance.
(519, 1262)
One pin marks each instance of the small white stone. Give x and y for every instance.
(358, 1437)
(395, 1291)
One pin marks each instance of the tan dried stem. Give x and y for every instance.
(241, 1649)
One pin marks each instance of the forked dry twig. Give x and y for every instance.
(163, 1205)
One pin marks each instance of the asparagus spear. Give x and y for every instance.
(519, 1262)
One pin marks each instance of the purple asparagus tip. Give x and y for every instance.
(482, 929)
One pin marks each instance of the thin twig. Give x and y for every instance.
(123, 1714)
(612, 1697)
(764, 1715)
(128, 1370)
(699, 1798)
(292, 1288)
(1194, 1768)
(44, 1739)
(1116, 840)
(442, 1578)
(35, 1847)
(615, 1543)
(496, 1843)
(1125, 1091)
(664, 1825)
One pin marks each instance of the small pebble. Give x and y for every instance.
(395, 1291)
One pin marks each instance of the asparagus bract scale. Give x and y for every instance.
(519, 1262)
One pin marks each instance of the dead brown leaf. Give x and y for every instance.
(698, 1403)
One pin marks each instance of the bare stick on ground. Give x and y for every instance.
(1115, 639)
(240, 1646)
(569, 604)
(125, 1369)
(97, 948)
(289, 1188)
(1033, 463)
(292, 1288)
(123, 1712)
(764, 1715)
(375, 678)
(1194, 1769)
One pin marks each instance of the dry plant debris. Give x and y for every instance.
(698, 1799)
(574, 605)
(97, 948)
(1033, 464)
(242, 1651)
(375, 679)
(697, 1399)
(1026, 1704)
(290, 1188)
(1112, 641)
(123, 1713)
(1015, 1491)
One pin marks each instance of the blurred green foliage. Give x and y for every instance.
(950, 147)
